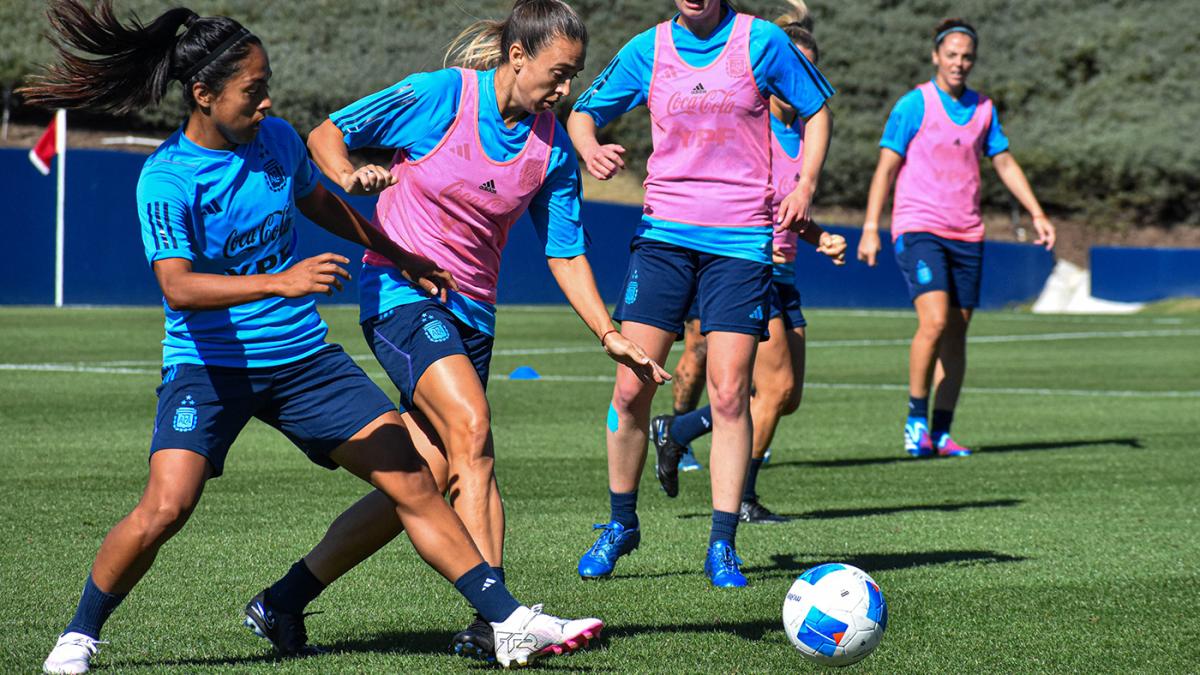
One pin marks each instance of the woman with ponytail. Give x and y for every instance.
(931, 149)
(217, 203)
(706, 77)
(476, 146)
(779, 362)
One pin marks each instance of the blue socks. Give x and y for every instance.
(95, 606)
(942, 419)
(749, 493)
(624, 508)
(487, 593)
(295, 590)
(918, 407)
(724, 526)
(689, 427)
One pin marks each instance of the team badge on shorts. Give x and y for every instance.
(185, 415)
(436, 331)
(924, 274)
(631, 290)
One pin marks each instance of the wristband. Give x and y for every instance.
(608, 332)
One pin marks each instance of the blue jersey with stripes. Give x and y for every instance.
(231, 212)
(414, 115)
(779, 68)
(905, 120)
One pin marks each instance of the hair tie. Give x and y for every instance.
(937, 41)
(187, 23)
(213, 55)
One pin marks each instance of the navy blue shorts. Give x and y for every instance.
(731, 294)
(932, 263)
(319, 402)
(785, 302)
(408, 339)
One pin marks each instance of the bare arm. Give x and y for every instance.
(1014, 179)
(333, 214)
(881, 185)
(602, 161)
(328, 148)
(185, 290)
(794, 210)
(574, 277)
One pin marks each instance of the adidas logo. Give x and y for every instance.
(698, 89)
(212, 208)
(489, 186)
(757, 313)
(488, 583)
(463, 150)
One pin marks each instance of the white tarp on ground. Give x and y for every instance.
(1068, 290)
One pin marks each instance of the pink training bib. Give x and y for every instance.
(937, 190)
(785, 174)
(456, 205)
(711, 163)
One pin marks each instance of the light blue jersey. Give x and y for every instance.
(905, 120)
(231, 212)
(414, 115)
(779, 68)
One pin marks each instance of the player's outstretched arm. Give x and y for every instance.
(333, 214)
(185, 290)
(328, 147)
(602, 161)
(881, 185)
(574, 277)
(1014, 179)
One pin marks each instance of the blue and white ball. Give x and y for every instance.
(835, 614)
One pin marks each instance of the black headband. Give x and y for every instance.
(212, 55)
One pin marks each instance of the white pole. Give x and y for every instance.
(60, 149)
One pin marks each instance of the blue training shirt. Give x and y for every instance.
(414, 115)
(905, 120)
(231, 212)
(779, 68)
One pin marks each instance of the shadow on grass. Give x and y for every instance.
(750, 630)
(1062, 445)
(851, 462)
(832, 514)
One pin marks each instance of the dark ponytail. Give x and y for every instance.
(108, 66)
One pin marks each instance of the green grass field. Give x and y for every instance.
(1069, 543)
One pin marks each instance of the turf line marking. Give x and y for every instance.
(1028, 337)
(76, 368)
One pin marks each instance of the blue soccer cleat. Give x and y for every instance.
(688, 461)
(721, 566)
(767, 457)
(946, 447)
(614, 542)
(916, 438)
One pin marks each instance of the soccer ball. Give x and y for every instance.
(835, 614)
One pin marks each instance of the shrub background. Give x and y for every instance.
(1097, 97)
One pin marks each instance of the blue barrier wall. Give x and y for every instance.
(105, 264)
(1144, 274)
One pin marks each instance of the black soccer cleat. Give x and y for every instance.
(668, 453)
(757, 514)
(477, 641)
(284, 630)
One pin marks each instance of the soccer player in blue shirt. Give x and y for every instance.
(217, 203)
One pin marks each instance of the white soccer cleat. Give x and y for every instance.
(529, 634)
(71, 654)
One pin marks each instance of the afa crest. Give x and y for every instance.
(736, 65)
(436, 331)
(185, 415)
(276, 178)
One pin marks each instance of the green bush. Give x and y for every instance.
(1096, 96)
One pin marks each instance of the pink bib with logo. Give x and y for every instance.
(785, 174)
(711, 163)
(937, 190)
(456, 205)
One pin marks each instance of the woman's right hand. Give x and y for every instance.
(604, 161)
(318, 274)
(369, 180)
(869, 246)
(627, 353)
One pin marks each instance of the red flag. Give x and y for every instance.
(46, 148)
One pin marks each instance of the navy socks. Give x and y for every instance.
(724, 526)
(95, 606)
(942, 419)
(295, 590)
(624, 508)
(689, 427)
(749, 493)
(487, 593)
(918, 407)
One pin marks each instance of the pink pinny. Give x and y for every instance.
(937, 190)
(711, 163)
(456, 205)
(785, 174)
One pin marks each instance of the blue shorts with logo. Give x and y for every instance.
(933, 263)
(731, 294)
(318, 402)
(785, 302)
(408, 339)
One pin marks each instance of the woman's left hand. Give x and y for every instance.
(1045, 230)
(834, 246)
(627, 353)
(794, 209)
(425, 273)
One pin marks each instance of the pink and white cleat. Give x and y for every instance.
(946, 447)
(529, 634)
(916, 438)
